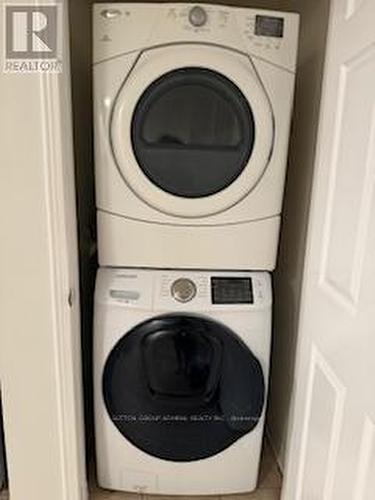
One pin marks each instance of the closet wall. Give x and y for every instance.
(80, 43)
(288, 276)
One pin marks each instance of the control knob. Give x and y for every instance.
(183, 290)
(197, 16)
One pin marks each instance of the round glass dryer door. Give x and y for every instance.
(192, 129)
(183, 387)
(192, 132)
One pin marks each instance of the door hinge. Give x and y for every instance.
(71, 297)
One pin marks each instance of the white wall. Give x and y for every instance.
(288, 275)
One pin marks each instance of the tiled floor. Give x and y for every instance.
(269, 486)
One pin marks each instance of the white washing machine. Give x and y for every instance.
(181, 362)
(192, 113)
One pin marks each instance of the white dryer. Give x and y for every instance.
(192, 108)
(181, 362)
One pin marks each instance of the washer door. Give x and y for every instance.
(193, 138)
(182, 387)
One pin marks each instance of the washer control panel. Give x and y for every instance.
(183, 290)
(194, 291)
(206, 290)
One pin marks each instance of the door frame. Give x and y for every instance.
(40, 351)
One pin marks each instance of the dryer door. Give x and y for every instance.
(192, 129)
(183, 387)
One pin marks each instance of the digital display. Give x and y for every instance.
(269, 26)
(232, 291)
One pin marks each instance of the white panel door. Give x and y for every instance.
(331, 450)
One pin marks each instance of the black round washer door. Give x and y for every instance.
(183, 387)
(192, 132)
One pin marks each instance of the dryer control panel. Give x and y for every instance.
(122, 28)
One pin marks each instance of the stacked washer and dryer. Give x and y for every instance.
(192, 115)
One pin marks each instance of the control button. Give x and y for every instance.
(183, 290)
(110, 13)
(124, 294)
(197, 16)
